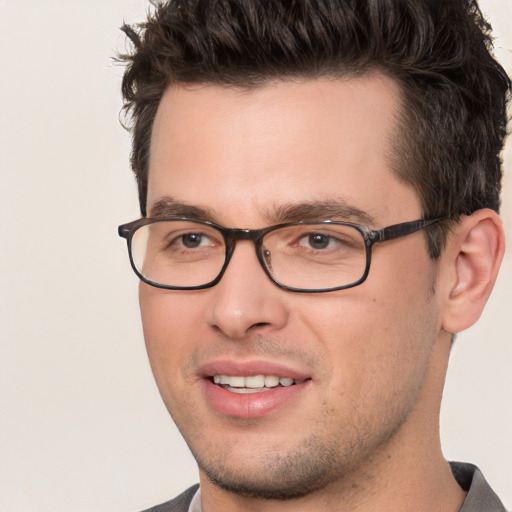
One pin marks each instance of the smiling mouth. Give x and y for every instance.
(253, 383)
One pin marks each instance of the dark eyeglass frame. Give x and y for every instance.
(232, 235)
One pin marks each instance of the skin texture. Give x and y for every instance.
(374, 356)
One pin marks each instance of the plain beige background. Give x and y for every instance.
(82, 427)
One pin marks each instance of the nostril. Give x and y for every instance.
(259, 324)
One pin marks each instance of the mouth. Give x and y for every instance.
(253, 383)
(252, 389)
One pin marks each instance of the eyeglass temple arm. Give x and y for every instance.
(403, 229)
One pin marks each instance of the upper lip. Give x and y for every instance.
(251, 368)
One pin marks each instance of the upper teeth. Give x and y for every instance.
(254, 381)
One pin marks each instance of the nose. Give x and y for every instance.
(246, 300)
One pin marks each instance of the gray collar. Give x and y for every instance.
(480, 498)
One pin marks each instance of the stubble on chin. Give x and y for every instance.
(340, 458)
(277, 477)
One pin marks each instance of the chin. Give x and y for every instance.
(277, 476)
(268, 488)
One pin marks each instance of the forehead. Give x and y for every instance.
(239, 152)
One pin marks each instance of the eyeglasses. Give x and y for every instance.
(309, 257)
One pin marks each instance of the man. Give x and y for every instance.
(319, 185)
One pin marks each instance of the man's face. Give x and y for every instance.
(361, 358)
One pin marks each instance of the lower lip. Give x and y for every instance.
(251, 405)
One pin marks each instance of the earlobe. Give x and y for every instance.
(473, 254)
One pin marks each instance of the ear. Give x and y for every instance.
(471, 261)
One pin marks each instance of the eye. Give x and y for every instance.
(318, 241)
(193, 240)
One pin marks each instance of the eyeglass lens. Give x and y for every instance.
(305, 256)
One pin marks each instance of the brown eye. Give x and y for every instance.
(318, 241)
(192, 240)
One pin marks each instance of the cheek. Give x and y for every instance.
(378, 336)
(169, 323)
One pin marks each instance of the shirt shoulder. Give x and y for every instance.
(480, 497)
(178, 504)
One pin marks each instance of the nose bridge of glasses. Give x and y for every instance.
(244, 234)
(231, 236)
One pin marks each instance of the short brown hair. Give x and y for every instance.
(453, 121)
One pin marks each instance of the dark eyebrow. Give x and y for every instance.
(337, 209)
(169, 207)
